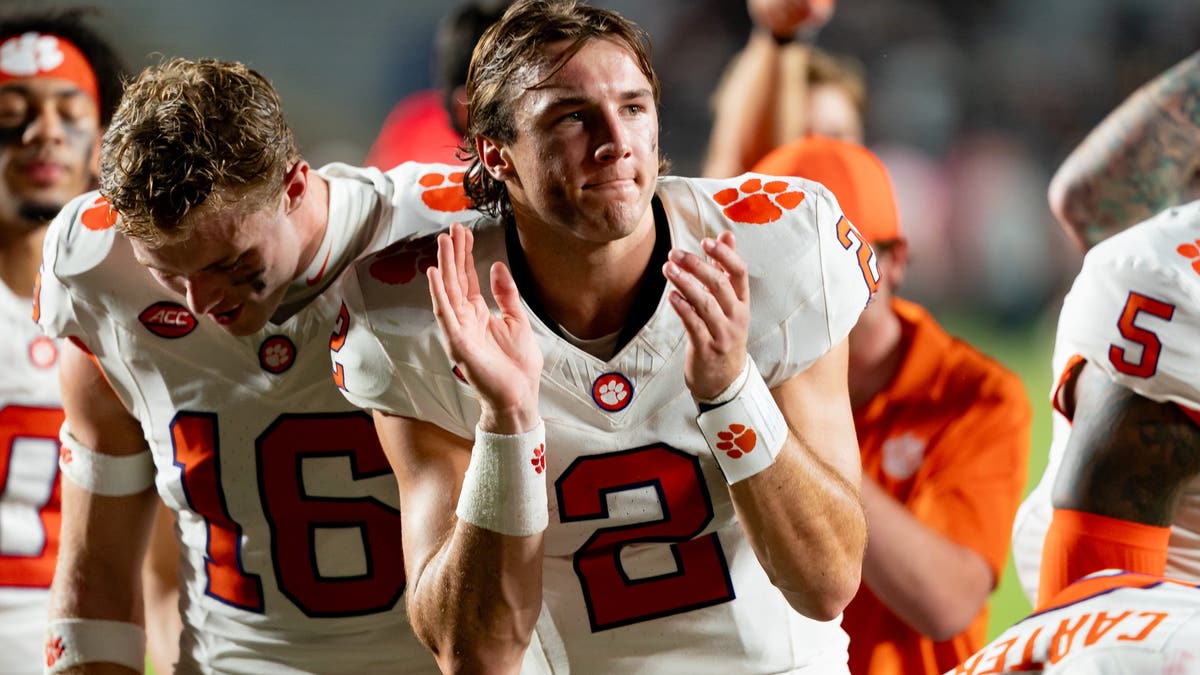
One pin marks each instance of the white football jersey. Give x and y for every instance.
(647, 569)
(1108, 623)
(30, 415)
(287, 508)
(1134, 312)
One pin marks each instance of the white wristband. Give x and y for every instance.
(732, 390)
(107, 475)
(71, 642)
(504, 489)
(746, 433)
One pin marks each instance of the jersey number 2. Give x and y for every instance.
(849, 237)
(701, 577)
(296, 519)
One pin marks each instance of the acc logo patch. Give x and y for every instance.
(169, 320)
(612, 392)
(43, 353)
(276, 354)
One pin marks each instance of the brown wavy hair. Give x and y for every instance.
(497, 76)
(193, 136)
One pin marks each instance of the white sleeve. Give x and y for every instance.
(1138, 321)
(389, 358)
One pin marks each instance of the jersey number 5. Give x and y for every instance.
(297, 519)
(1147, 362)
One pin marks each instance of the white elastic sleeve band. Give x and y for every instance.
(71, 642)
(103, 474)
(745, 433)
(504, 489)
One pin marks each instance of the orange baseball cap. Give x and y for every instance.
(855, 176)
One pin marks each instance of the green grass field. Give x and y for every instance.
(1027, 353)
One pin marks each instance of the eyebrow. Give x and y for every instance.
(576, 100)
(222, 262)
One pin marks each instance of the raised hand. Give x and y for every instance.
(497, 353)
(788, 17)
(712, 298)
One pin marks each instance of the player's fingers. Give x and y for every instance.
(723, 251)
(446, 319)
(693, 325)
(469, 262)
(447, 272)
(701, 302)
(459, 234)
(710, 277)
(504, 289)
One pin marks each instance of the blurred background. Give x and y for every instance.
(970, 104)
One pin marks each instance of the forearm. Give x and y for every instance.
(1140, 160)
(807, 527)
(933, 584)
(744, 109)
(476, 602)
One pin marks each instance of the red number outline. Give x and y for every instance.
(341, 328)
(226, 578)
(284, 443)
(42, 423)
(612, 598)
(1147, 365)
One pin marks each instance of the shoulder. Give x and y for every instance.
(811, 274)
(81, 236)
(1134, 309)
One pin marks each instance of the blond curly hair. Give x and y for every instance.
(193, 136)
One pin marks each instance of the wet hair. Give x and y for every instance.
(192, 137)
(518, 41)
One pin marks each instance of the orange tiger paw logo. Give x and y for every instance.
(445, 193)
(401, 262)
(99, 216)
(1191, 251)
(756, 203)
(539, 458)
(738, 440)
(54, 650)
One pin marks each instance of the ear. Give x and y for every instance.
(897, 263)
(495, 159)
(295, 185)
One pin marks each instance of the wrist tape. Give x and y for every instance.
(71, 642)
(504, 489)
(108, 475)
(746, 432)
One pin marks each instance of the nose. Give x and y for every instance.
(45, 127)
(204, 293)
(612, 138)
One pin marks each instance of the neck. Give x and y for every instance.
(312, 219)
(588, 288)
(20, 257)
(876, 350)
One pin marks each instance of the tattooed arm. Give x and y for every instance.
(1118, 490)
(1128, 457)
(1139, 160)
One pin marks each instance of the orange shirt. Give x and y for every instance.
(948, 438)
(416, 130)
